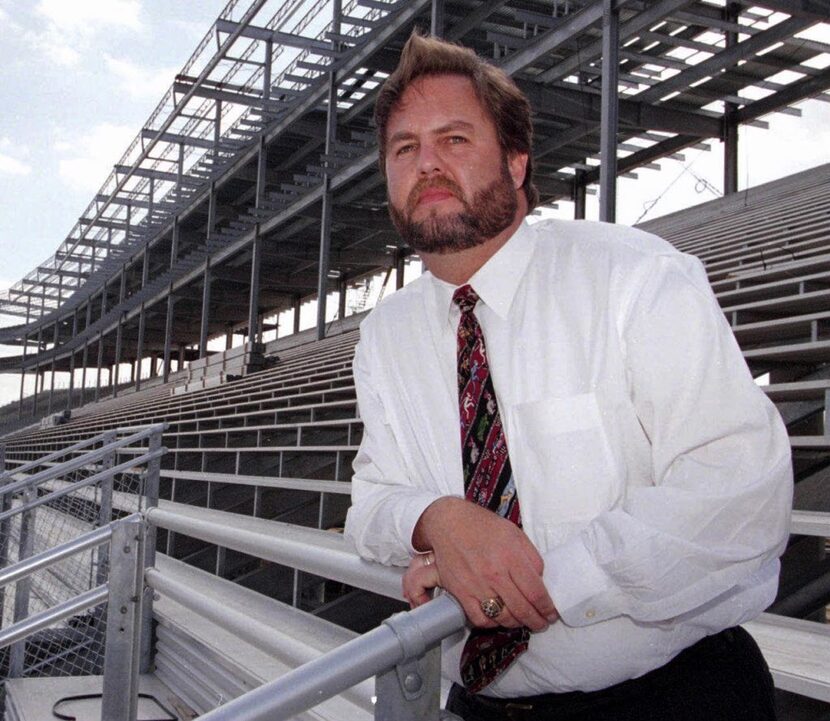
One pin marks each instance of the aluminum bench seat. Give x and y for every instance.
(317, 485)
(804, 353)
(798, 653)
(805, 327)
(797, 390)
(809, 301)
(206, 663)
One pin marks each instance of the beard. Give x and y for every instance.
(488, 213)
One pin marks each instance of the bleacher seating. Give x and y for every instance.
(255, 452)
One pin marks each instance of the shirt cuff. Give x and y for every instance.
(412, 512)
(579, 588)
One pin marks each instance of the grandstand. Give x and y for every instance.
(253, 189)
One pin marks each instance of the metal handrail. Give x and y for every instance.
(32, 624)
(26, 467)
(293, 546)
(404, 637)
(404, 640)
(266, 637)
(49, 557)
(77, 463)
(90, 481)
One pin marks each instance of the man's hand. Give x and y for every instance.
(420, 579)
(480, 555)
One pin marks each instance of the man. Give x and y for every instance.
(619, 493)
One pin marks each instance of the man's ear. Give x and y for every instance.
(517, 165)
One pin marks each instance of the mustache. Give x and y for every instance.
(438, 182)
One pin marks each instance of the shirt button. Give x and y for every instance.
(590, 613)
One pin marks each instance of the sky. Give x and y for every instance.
(80, 77)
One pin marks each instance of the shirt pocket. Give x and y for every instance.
(563, 464)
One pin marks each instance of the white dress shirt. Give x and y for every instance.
(654, 476)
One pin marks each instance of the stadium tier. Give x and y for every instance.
(256, 477)
(170, 512)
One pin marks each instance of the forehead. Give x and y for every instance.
(434, 101)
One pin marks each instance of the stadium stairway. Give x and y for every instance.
(268, 455)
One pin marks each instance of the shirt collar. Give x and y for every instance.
(497, 281)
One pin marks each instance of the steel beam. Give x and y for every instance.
(436, 19)
(610, 111)
(726, 58)
(327, 194)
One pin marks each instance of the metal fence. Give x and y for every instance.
(46, 505)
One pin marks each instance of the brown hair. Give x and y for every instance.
(498, 94)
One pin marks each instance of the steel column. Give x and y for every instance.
(55, 338)
(342, 289)
(436, 25)
(119, 330)
(5, 526)
(72, 361)
(23, 364)
(580, 195)
(168, 323)
(731, 13)
(298, 302)
(85, 357)
(142, 319)
(328, 195)
(400, 268)
(256, 249)
(100, 365)
(610, 111)
(37, 369)
(203, 332)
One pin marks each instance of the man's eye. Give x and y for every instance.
(457, 139)
(404, 149)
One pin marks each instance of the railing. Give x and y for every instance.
(122, 592)
(63, 566)
(403, 653)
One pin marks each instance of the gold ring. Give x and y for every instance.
(492, 607)
(429, 559)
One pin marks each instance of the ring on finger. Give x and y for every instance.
(492, 607)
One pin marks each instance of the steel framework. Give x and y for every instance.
(254, 184)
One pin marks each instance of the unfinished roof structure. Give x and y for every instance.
(254, 184)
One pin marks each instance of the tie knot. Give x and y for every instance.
(465, 298)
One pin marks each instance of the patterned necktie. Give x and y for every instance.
(488, 481)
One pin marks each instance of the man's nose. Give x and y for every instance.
(429, 159)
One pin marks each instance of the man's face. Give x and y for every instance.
(450, 184)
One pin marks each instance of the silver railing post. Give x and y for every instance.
(17, 653)
(151, 499)
(105, 507)
(121, 656)
(411, 690)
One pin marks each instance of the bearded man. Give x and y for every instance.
(559, 430)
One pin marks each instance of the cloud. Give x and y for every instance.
(9, 164)
(141, 82)
(71, 26)
(89, 160)
(86, 16)
(12, 166)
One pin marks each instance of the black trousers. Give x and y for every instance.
(721, 678)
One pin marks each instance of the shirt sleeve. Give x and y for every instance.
(717, 515)
(386, 504)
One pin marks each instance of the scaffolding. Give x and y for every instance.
(253, 186)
